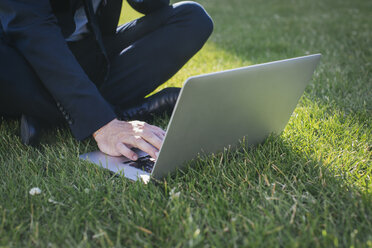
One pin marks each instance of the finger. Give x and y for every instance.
(156, 129)
(152, 138)
(160, 133)
(125, 151)
(161, 136)
(146, 147)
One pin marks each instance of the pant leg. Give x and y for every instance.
(21, 91)
(147, 52)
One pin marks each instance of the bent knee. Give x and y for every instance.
(197, 15)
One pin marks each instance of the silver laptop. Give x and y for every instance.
(217, 110)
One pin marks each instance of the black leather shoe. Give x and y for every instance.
(158, 104)
(30, 131)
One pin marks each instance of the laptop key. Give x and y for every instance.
(143, 163)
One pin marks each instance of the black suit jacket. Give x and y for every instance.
(37, 29)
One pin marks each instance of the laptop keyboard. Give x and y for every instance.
(143, 163)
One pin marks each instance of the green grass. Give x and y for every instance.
(307, 187)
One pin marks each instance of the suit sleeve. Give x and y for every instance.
(32, 28)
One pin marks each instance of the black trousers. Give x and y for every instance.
(143, 54)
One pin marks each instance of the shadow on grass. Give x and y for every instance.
(273, 191)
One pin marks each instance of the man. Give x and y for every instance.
(66, 61)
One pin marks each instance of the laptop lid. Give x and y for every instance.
(217, 110)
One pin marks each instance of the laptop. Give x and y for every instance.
(217, 110)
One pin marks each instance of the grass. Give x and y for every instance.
(307, 187)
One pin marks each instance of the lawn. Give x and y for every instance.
(309, 186)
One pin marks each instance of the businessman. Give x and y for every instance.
(68, 62)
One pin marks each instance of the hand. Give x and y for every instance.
(117, 137)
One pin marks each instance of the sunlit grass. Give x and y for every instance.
(307, 187)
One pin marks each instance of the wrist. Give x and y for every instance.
(96, 133)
